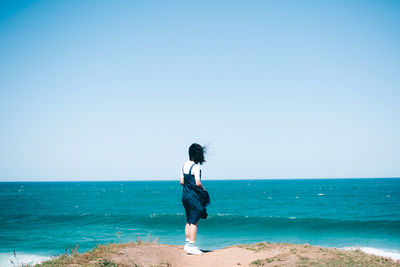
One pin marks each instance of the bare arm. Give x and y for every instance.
(182, 180)
(198, 183)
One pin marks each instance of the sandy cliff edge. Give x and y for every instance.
(259, 254)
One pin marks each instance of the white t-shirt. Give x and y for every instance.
(195, 169)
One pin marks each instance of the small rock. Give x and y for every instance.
(121, 252)
(238, 263)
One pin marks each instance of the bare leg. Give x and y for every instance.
(192, 232)
(187, 230)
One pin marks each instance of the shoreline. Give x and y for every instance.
(257, 254)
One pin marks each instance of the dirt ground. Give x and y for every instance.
(261, 254)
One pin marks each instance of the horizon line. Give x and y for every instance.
(217, 179)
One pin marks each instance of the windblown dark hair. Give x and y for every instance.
(196, 153)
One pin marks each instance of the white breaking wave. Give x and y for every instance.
(223, 214)
(7, 259)
(393, 254)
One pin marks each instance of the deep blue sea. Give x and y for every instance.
(40, 219)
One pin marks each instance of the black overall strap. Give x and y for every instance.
(191, 168)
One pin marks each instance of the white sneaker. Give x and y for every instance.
(193, 250)
(185, 247)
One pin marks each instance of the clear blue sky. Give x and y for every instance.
(115, 90)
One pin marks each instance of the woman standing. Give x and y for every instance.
(194, 196)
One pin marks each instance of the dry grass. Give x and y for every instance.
(306, 255)
(99, 256)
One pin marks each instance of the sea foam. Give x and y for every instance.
(393, 254)
(21, 259)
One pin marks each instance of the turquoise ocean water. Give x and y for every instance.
(40, 219)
